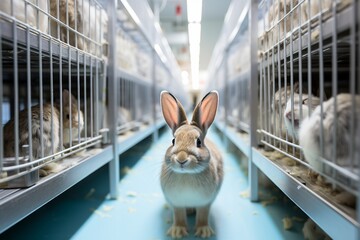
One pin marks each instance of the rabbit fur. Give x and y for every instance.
(88, 20)
(48, 115)
(305, 105)
(31, 12)
(309, 134)
(192, 172)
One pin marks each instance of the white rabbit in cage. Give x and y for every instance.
(310, 133)
(278, 106)
(33, 16)
(95, 21)
(302, 105)
(50, 145)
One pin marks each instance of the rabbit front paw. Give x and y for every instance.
(204, 231)
(177, 231)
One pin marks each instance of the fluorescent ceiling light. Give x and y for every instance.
(194, 10)
(194, 53)
(194, 30)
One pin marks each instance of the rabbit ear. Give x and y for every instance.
(205, 111)
(65, 96)
(172, 110)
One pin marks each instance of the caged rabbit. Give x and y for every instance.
(309, 134)
(278, 106)
(301, 105)
(48, 147)
(70, 16)
(86, 19)
(32, 14)
(192, 172)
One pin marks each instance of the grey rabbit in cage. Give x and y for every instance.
(48, 131)
(192, 171)
(309, 134)
(302, 105)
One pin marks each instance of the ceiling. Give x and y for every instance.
(175, 28)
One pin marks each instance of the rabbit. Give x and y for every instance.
(74, 16)
(303, 103)
(48, 148)
(278, 106)
(192, 172)
(90, 20)
(276, 13)
(31, 15)
(95, 20)
(309, 133)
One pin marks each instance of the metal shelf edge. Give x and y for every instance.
(22, 203)
(316, 208)
(239, 142)
(127, 142)
(132, 76)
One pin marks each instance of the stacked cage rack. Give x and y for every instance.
(69, 102)
(304, 103)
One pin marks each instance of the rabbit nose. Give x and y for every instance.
(182, 162)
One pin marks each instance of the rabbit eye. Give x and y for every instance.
(67, 116)
(198, 142)
(304, 102)
(173, 141)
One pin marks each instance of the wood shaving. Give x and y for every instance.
(131, 194)
(288, 161)
(99, 213)
(245, 194)
(276, 155)
(345, 198)
(269, 201)
(287, 223)
(107, 208)
(126, 170)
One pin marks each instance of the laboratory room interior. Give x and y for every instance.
(179, 119)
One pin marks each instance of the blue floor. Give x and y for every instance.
(141, 213)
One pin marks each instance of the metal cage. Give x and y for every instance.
(303, 98)
(59, 83)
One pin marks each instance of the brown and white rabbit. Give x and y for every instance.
(89, 19)
(302, 104)
(309, 134)
(67, 15)
(48, 130)
(192, 172)
(31, 15)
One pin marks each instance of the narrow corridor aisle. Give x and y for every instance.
(141, 213)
